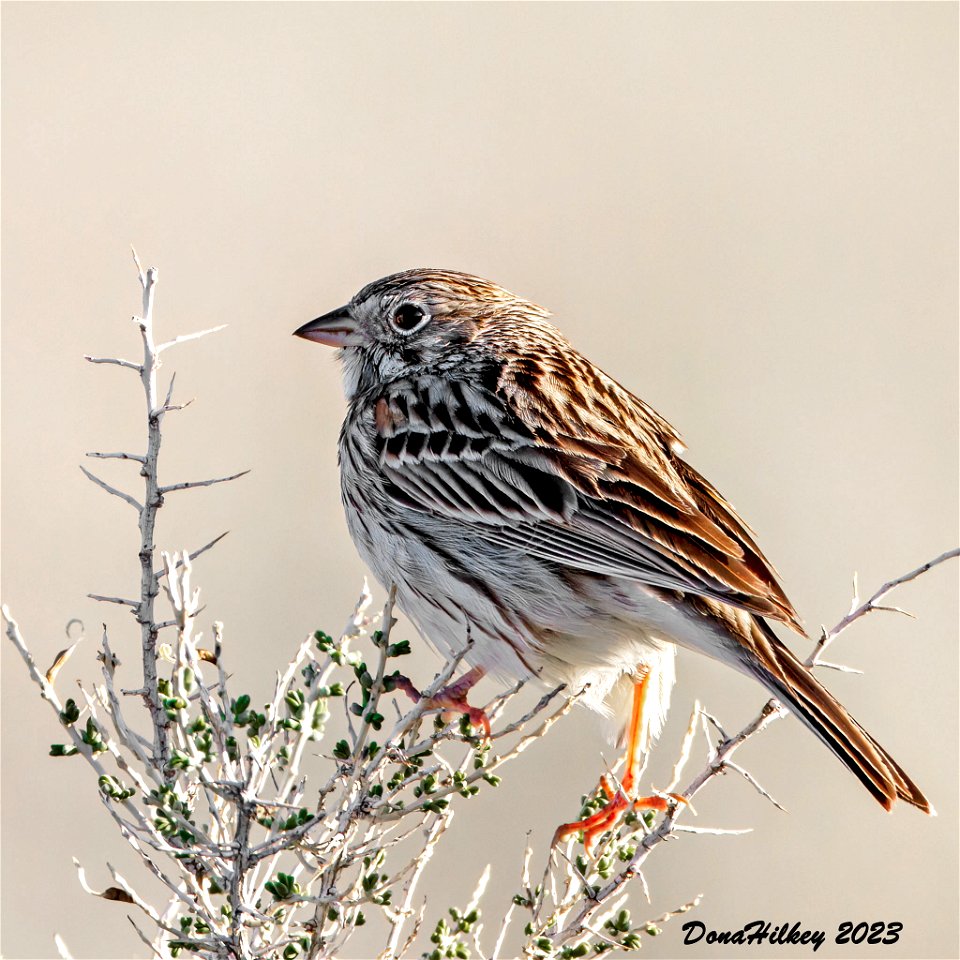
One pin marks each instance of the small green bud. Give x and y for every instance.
(91, 737)
(70, 713)
(114, 789)
(295, 700)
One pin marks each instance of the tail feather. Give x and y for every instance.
(794, 684)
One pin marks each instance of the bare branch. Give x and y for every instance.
(116, 456)
(195, 553)
(141, 275)
(432, 835)
(685, 747)
(191, 484)
(749, 777)
(117, 493)
(873, 603)
(183, 338)
(838, 666)
(712, 831)
(129, 364)
(121, 600)
(62, 950)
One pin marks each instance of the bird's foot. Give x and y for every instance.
(451, 701)
(614, 810)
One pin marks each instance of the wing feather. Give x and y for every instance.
(615, 499)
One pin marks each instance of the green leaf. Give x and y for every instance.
(295, 701)
(70, 713)
(91, 737)
(115, 789)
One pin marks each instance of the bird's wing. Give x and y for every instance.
(589, 482)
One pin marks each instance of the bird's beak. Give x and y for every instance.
(333, 329)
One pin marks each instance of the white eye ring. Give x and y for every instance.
(408, 318)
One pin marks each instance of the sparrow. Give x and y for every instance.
(515, 494)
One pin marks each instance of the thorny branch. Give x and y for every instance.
(216, 803)
(143, 608)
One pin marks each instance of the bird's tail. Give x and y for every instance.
(799, 690)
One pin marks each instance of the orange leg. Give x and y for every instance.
(452, 699)
(622, 800)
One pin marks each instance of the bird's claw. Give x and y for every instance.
(451, 701)
(617, 806)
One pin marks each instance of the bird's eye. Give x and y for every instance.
(408, 317)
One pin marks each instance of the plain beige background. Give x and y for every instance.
(746, 213)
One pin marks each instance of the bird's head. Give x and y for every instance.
(420, 321)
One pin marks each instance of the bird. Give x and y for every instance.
(512, 492)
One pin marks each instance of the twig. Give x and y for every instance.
(432, 836)
(115, 360)
(184, 337)
(191, 484)
(857, 612)
(110, 489)
(116, 456)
